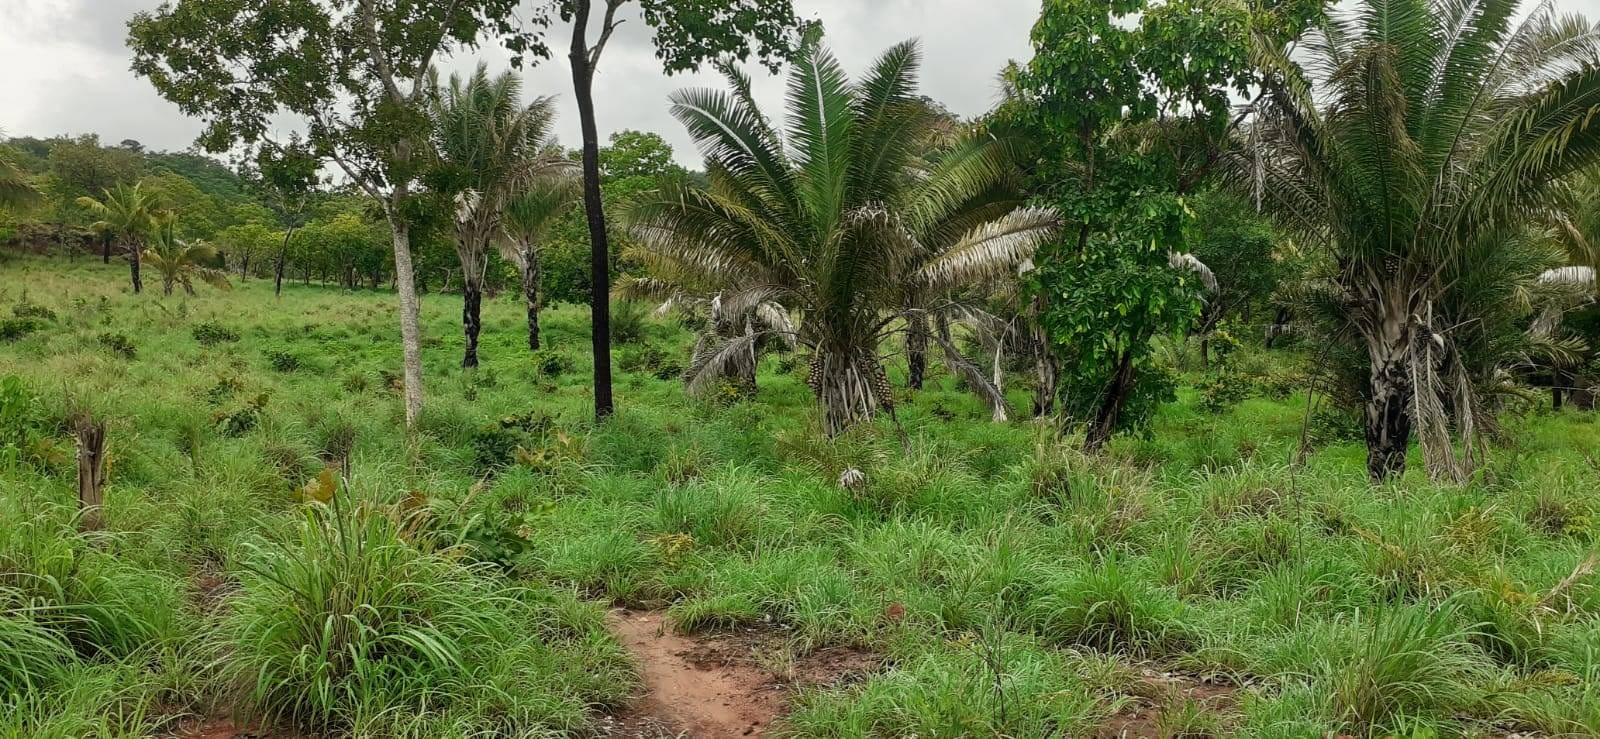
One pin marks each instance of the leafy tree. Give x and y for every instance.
(285, 176)
(354, 71)
(1128, 102)
(1438, 126)
(202, 215)
(126, 213)
(844, 224)
(686, 34)
(639, 154)
(1245, 255)
(181, 262)
(245, 243)
(489, 147)
(82, 167)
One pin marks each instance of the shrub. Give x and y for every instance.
(227, 386)
(282, 361)
(12, 329)
(1331, 425)
(650, 359)
(211, 333)
(628, 321)
(26, 309)
(549, 363)
(494, 446)
(118, 344)
(1222, 390)
(240, 420)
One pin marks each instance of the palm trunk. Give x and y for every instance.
(1110, 411)
(166, 286)
(105, 249)
(849, 387)
(471, 319)
(133, 269)
(916, 349)
(410, 323)
(1046, 370)
(599, 243)
(1389, 400)
(530, 292)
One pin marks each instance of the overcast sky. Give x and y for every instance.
(66, 66)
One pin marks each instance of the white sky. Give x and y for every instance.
(64, 66)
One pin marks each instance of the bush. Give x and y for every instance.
(1222, 390)
(494, 447)
(1330, 425)
(12, 329)
(26, 309)
(282, 361)
(118, 344)
(240, 420)
(211, 333)
(549, 363)
(650, 359)
(628, 321)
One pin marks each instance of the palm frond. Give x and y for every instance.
(991, 250)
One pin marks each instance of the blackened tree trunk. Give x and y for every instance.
(471, 319)
(530, 292)
(283, 253)
(244, 269)
(1388, 407)
(916, 350)
(599, 244)
(105, 249)
(1109, 414)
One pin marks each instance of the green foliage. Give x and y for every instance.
(12, 329)
(281, 360)
(1224, 389)
(118, 345)
(549, 363)
(212, 333)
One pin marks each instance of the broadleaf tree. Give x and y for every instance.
(352, 73)
(1130, 105)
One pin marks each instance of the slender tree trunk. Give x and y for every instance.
(599, 243)
(1556, 381)
(244, 269)
(410, 323)
(1110, 411)
(1389, 401)
(166, 286)
(530, 293)
(105, 249)
(1046, 370)
(283, 253)
(916, 349)
(133, 269)
(1278, 322)
(471, 319)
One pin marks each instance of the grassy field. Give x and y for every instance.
(1191, 583)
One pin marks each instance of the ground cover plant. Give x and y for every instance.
(455, 583)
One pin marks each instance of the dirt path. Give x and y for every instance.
(712, 687)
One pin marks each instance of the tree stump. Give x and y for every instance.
(91, 438)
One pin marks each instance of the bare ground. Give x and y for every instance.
(724, 685)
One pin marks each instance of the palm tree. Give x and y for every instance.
(1438, 125)
(527, 219)
(839, 218)
(127, 213)
(179, 261)
(489, 148)
(15, 189)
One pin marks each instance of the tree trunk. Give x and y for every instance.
(105, 249)
(471, 319)
(850, 389)
(599, 243)
(1110, 411)
(166, 286)
(1556, 381)
(1046, 371)
(133, 269)
(244, 269)
(1388, 406)
(530, 293)
(283, 253)
(916, 349)
(410, 328)
(91, 438)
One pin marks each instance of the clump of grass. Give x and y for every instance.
(1411, 662)
(1111, 607)
(344, 626)
(282, 361)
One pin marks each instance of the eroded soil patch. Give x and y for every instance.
(723, 685)
(1168, 704)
